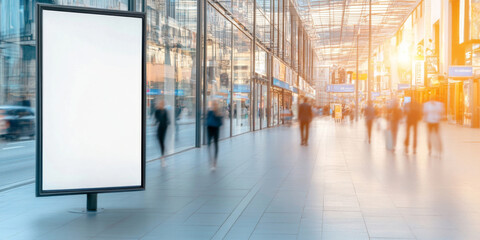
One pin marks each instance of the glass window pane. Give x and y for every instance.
(171, 75)
(218, 65)
(264, 106)
(256, 112)
(241, 80)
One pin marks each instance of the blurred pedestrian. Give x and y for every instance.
(370, 115)
(432, 114)
(178, 112)
(305, 116)
(394, 116)
(214, 122)
(413, 114)
(162, 120)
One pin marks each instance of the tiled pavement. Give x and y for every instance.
(267, 186)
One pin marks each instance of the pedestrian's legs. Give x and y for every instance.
(407, 138)
(213, 133)
(307, 130)
(394, 134)
(302, 126)
(161, 140)
(414, 137)
(429, 137)
(216, 132)
(436, 129)
(209, 140)
(369, 130)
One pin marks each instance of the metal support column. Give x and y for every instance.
(357, 80)
(203, 81)
(369, 81)
(253, 91)
(232, 69)
(131, 5)
(198, 76)
(91, 202)
(269, 90)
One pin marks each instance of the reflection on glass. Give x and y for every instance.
(258, 107)
(264, 106)
(218, 65)
(171, 51)
(241, 80)
(275, 109)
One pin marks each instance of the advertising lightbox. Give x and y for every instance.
(90, 99)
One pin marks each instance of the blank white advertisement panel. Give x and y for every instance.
(91, 100)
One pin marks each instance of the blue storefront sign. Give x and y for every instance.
(341, 88)
(460, 71)
(282, 84)
(179, 92)
(241, 88)
(153, 91)
(403, 86)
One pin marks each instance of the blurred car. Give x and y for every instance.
(16, 122)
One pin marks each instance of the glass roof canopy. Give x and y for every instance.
(334, 24)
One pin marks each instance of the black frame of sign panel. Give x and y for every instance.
(39, 158)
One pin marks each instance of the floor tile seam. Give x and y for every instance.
(223, 230)
(310, 186)
(113, 225)
(355, 191)
(410, 228)
(317, 160)
(80, 215)
(202, 199)
(242, 165)
(272, 199)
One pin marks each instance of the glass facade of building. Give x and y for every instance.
(238, 39)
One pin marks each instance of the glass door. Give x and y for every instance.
(257, 102)
(264, 106)
(275, 108)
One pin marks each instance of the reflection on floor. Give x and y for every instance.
(267, 186)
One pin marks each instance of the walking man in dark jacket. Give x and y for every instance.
(162, 120)
(214, 122)
(305, 116)
(413, 112)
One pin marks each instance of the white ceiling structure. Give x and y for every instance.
(333, 26)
